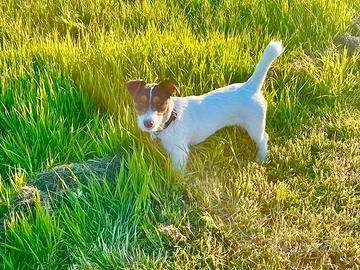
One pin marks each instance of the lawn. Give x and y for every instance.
(64, 65)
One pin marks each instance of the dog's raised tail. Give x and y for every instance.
(272, 51)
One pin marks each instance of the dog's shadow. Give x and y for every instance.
(228, 147)
(221, 172)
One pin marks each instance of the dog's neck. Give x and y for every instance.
(171, 119)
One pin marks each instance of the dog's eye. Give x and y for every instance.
(141, 104)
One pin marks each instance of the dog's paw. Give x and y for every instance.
(261, 156)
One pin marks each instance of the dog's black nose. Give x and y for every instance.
(148, 123)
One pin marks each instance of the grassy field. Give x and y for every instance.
(63, 68)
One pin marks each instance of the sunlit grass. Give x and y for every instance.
(63, 68)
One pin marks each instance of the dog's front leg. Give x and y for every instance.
(179, 154)
(152, 136)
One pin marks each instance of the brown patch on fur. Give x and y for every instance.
(161, 95)
(141, 100)
(155, 100)
(135, 86)
(159, 99)
(169, 86)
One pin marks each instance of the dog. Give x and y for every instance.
(183, 121)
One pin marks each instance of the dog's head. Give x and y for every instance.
(152, 102)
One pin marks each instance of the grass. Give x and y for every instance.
(63, 68)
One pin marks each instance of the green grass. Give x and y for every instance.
(63, 68)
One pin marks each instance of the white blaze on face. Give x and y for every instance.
(150, 115)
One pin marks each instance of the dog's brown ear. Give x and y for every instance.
(170, 86)
(135, 86)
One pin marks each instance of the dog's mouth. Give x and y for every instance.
(156, 128)
(152, 129)
(156, 123)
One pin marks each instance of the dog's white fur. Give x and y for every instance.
(240, 104)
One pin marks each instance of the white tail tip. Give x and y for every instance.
(275, 48)
(272, 51)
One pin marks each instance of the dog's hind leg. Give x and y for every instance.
(262, 147)
(256, 131)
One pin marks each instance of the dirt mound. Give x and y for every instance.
(70, 175)
(347, 41)
(56, 181)
(350, 41)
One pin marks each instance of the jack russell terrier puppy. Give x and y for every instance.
(182, 121)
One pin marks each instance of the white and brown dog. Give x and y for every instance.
(182, 121)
